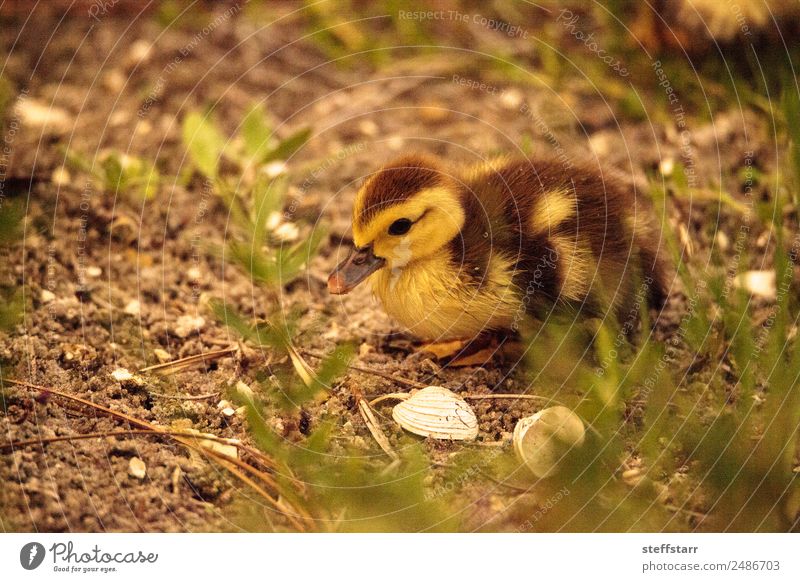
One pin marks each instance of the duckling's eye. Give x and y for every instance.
(400, 226)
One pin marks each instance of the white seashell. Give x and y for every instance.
(543, 440)
(437, 413)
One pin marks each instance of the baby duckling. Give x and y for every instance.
(455, 253)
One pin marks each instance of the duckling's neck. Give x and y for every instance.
(404, 266)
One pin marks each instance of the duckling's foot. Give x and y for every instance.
(477, 351)
(445, 349)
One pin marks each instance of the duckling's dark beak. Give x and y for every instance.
(355, 268)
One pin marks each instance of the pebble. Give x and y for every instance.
(138, 51)
(133, 307)
(666, 167)
(162, 355)
(511, 98)
(193, 274)
(723, 241)
(124, 376)
(760, 283)
(188, 324)
(287, 232)
(275, 169)
(38, 114)
(274, 220)
(368, 127)
(137, 468)
(47, 296)
(395, 143)
(60, 176)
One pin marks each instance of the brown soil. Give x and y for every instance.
(96, 253)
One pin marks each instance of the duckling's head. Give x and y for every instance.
(406, 212)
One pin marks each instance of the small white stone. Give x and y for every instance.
(228, 411)
(93, 272)
(47, 296)
(666, 167)
(223, 404)
(137, 468)
(193, 274)
(511, 98)
(395, 143)
(275, 169)
(188, 324)
(133, 307)
(760, 283)
(38, 114)
(368, 127)
(114, 80)
(143, 127)
(122, 375)
(60, 176)
(287, 232)
(139, 51)
(120, 117)
(723, 242)
(274, 220)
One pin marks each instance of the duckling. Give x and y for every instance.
(452, 253)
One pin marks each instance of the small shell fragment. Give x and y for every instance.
(438, 413)
(541, 441)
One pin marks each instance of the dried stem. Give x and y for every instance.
(376, 430)
(235, 466)
(176, 366)
(188, 397)
(372, 371)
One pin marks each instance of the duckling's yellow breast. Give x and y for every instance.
(430, 297)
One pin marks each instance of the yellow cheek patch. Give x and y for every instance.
(441, 204)
(552, 209)
(575, 262)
